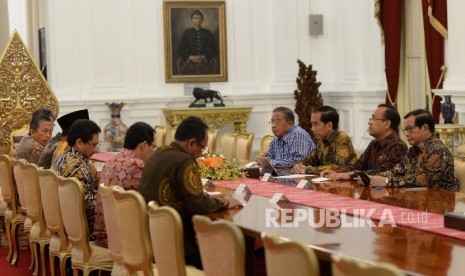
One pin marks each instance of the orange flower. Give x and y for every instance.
(215, 162)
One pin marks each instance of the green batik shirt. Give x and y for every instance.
(331, 153)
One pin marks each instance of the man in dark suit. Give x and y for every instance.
(197, 49)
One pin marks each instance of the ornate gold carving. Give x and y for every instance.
(448, 133)
(215, 117)
(23, 89)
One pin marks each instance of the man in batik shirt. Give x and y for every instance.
(32, 145)
(428, 163)
(334, 148)
(383, 153)
(124, 170)
(65, 121)
(83, 138)
(171, 177)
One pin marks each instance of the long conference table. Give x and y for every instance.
(418, 243)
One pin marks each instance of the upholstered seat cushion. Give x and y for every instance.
(55, 244)
(35, 232)
(99, 256)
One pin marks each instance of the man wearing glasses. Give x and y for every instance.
(291, 143)
(83, 138)
(124, 170)
(171, 177)
(383, 153)
(428, 163)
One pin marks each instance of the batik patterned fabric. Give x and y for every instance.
(171, 177)
(331, 153)
(430, 164)
(73, 164)
(29, 149)
(124, 170)
(45, 160)
(292, 148)
(379, 156)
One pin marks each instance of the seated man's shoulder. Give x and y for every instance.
(437, 146)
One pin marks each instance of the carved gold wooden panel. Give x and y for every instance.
(23, 89)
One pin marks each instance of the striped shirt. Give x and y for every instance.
(292, 148)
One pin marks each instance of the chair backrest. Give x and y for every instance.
(345, 266)
(243, 148)
(71, 198)
(170, 132)
(166, 236)
(18, 175)
(131, 214)
(459, 167)
(32, 194)
(160, 135)
(111, 222)
(227, 259)
(7, 183)
(49, 182)
(288, 257)
(212, 135)
(227, 142)
(265, 144)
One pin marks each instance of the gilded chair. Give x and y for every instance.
(19, 184)
(227, 143)
(111, 225)
(265, 144)
(212, 135)
(227, 259)
(38, 234)
(160, 135)
(59, 246)
(84, 256)
(283, 257)
(13, 216)
(345, 266)
(132, 221)
(459, 168)
(3, 207)
(166, 236)
(243, 148)
(170, 132)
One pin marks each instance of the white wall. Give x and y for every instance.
(113, 51)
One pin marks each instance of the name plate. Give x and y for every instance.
(207, 183)
(266, 177)
(303, 184)
(455, 220)
(242, 188)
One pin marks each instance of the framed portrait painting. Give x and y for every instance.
(195, 41)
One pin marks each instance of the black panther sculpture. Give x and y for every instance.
(202, 94)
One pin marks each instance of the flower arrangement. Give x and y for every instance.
(215, 167)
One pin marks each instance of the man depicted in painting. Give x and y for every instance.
(197, 49)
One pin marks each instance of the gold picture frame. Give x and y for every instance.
(192, 29)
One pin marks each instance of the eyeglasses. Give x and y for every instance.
(202, 146)
(94, 145)
(275, 122)
(371, 119)
(408, 129)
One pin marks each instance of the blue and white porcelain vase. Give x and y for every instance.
(115, 130)
(448, 110)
